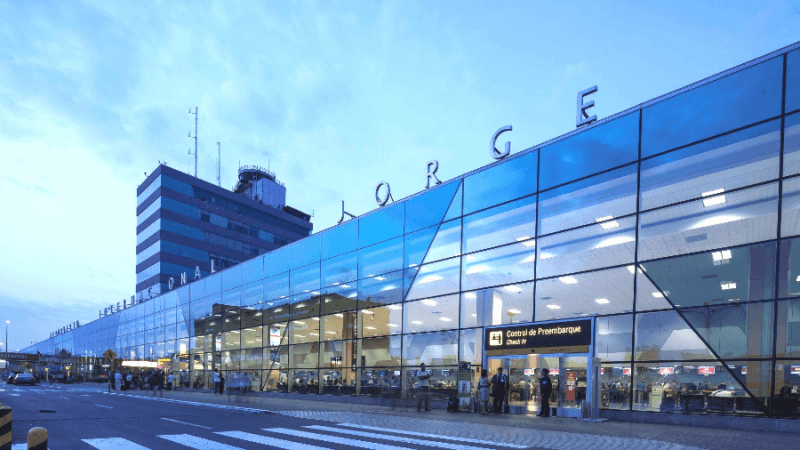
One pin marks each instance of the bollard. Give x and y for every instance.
(37, 439)
(5, 428)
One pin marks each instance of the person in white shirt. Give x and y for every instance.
(118, 380)
(423, 384)
(170, 378)
(216, 383)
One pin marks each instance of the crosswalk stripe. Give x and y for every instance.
(271, 441)
(334, 439)
(387, 437)
(20, 447)
(429, 435)
(114, 444)
(198, 443)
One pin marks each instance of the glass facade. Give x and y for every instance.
(673, 226)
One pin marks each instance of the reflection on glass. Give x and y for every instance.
(381, 225)
(380, 258)
(501, 305)
(595, 293)
(433, 279)
(790, 208)
(665, 335)
(509, 264)
(447, 242)
(429, 208)
(721, 220)
(788, 337)
(736, 330)
(341, 269)
(732, 161)
(433, 349)
(612, 338)
(381, 289)
(340, 239)
(431, 314)
(382, 321)
(793, 81)
(514, 221)
(304, 355)
(516, 175)
(302, 331)
(381, 351)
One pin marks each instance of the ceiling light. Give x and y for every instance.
(607, 222)
(529, 259)
(313, 334)
(477, 269)
(514, 311)
(602, 301)
(513, 289)
(331, 332)
(568, 280)
(631, 269)
(416, 322)
(545, 255)
(315, 293)
(431, 279)
(413, 265)
(370, 328)
(336, 284)
(339, 315)
(301, 305)
(445, 319)
(713, 198)
(345, 286)
(658, 295)
(473, 315)
(393, 325)
(798, 278)
(370, 275)
(299, 336)
(429, 302)
(727, 285)
(523, 238)
(733, 299)
(721, 255)
(380, 278)
(306, 290)
(299, 323)
(553, 306)
(395, 307)
(316, 318)
(615, 240)
(367, 311)
(473, 296)
(529, 244)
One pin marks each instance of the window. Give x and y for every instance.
(429, 208)
(516, 175)
(613, 338)
(380, 258)
(503, 265)
(594, 293)
(500, 305)
(433, 279)
(793, 81)
(381, 225)
(514, 221)
(791, 145)
(341, 239)
(431, 314)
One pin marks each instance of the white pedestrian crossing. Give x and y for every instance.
(334, 439)
(114, 444)
(198, 443)
(271, 441)
(402, 439)
(428, 435)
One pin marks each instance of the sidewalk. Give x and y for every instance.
(527, 430)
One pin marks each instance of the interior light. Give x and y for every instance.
(545, 255)
(658, 295)
(345, 286)
(513, 289)
(299, 336)
(299, 323)
(316, 318)
(733, 299)
(568, 280)
(614, 240)
(416, 322)
(553, 306)
(301, 305)
(477, 269)
(370, 275)
(529, 244)
(380, 278)
(798, 278)
(429, 302)
(514, 311)
(339, 315)
(721, 255)
(445, 319)
(473, 315)
(727, 285)
(331, 332)
(370, 328)
(713, 198)
(336, 284)
(607, 222)
(430, 279)
(306, 291)
(523, 238)
(473, 296)
(631, 269)
(413, 265)
(395, 307)
(393, 325)
(602, 301)
(529, 259)
(315, 293)
(367, 311)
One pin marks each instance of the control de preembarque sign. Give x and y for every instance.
(533, 338)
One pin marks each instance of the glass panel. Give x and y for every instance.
(305, 280)
(717, 277)
(276, 311)
(304, 355)
(595, 293)
(596, 199)
(514, 221)
(433, 349)
(717, 221)
(788, 336)
(253, 295)
(276, 261)
(735, 331)
(252, 270)
(605, 244)
(790, 208)
(339, 298)
(615, 386)
(793, 81)
(231, 277)
(382, 351)
(737, 100)
(381, 289)
(341, 239)
(338, 326)
(417, 245)
(516, 175)
(431, 314)
(341, 269)
(732, 161)
(447, 242)
(572, 381)
(148, 191)
(305, 251)
(428, 209)
(613, 338)
(510, 264)
(380, 258)
(702, 387)
(600, 148)
(665, 335)
(276, 287)
(791, 145)
(381, 225)
(231, 340)
(471, 348)
(385, 320)
(455, 207)
(302, 331)
(787, 387)
(275, 335)
(305, 307)
(497, 306)
(433, 279)
(251, 338)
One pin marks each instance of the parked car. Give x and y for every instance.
(24, 378)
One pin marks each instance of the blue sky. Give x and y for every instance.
(334, 96)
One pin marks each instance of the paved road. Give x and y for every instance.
(82, 418)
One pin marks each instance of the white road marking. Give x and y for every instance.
(185, 423)
(186, 402)
(271, 441)
(85, 395)
(22, 446)
(15, 395)
(65, 398)
(334, 439)
(103, 406)
(387, 437)
(429, 435)
(198, 442)
(114, 444)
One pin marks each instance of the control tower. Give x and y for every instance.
(262, 186)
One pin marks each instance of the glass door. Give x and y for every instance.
(572, 385)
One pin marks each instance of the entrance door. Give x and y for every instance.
(568, 374)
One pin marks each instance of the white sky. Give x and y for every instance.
(335, 96)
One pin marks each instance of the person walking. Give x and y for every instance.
(545, 389)
(170, 379)
(216, 382)
(221, 382)
(423, 383)
(117, 380)
(483, 392)
(500, 386)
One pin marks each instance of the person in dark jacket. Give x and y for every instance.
(545, 389)
(500, 386)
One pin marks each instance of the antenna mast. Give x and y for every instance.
(219, 164)
(195, 138)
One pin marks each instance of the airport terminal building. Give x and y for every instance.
(650, 260)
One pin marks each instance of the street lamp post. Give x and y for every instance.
(7, 321)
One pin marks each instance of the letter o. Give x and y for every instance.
(382, 202)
